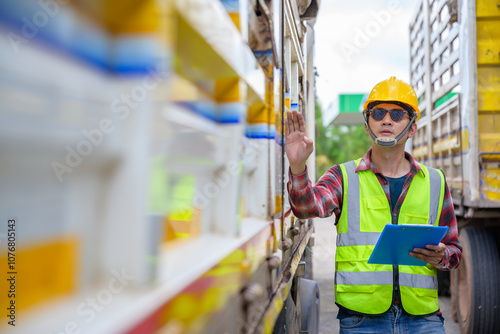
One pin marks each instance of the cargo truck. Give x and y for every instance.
(142, 167)
(455, 70)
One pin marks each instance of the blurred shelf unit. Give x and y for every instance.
(124, 127)
(141, 151)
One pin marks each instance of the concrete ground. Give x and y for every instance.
(324, 268)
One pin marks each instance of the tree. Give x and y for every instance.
(337, 144)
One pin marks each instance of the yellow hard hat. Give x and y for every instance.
(395, 91)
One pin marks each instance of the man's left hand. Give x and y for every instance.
(432, 254)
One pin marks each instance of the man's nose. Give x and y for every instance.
(387, 119)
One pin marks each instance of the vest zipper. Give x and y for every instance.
(395, 270)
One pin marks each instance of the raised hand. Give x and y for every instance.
(298, 146)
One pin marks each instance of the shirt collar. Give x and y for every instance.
(366, 163)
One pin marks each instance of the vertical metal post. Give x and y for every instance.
(469, 41)
(428, 76)
(282, 108)
(310, 96)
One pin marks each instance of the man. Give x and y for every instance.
(386, 185)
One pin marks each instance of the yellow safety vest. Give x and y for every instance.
(368, 288)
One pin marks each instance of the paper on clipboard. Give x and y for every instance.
(397, 241)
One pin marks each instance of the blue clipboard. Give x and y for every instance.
(396, 241)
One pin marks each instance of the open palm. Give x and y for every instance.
(298, 146)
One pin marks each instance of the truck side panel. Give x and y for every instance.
(455, 58)
(488, 93)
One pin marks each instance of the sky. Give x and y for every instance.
(360, 43)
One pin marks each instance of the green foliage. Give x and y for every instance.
(338, 144)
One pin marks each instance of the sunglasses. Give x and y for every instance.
(378, 114)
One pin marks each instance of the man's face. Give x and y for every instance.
(387, 127)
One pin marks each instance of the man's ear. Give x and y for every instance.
(412, 130)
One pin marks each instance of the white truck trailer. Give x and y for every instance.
(455, 69)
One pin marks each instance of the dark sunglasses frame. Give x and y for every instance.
(378, 114)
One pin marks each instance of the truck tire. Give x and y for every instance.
(443, 283)
(309, 306)
(453, 290)
(288, 319)
(477, 286)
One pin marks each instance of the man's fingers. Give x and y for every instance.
(434, 260)
(302, 123)
(295, 120)
(435, 248)
(432, 254)
(308, 141)
(427, 252)
(295, 124)
(288, 124)
(417, 255)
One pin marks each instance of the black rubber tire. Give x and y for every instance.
(288, 319)
(443, 282)
(454, 291)
(478, 283)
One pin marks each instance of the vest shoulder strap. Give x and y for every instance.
(437, 182)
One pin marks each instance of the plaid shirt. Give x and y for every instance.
(325, 199)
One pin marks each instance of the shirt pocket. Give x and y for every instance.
(414, 219)
(376, 214)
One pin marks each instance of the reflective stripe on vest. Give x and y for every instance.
(385, 278)
(367, 288)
